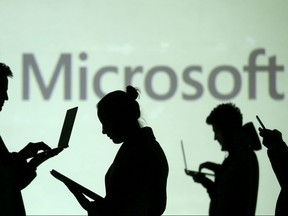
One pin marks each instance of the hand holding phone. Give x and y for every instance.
(270, 137)
(260, 122)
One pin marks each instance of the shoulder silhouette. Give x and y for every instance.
(16, 172)
(136, 180)
(235, 187)
(278, 156)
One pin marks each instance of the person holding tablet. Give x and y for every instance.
(136, 181)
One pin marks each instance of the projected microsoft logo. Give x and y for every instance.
(64, 66)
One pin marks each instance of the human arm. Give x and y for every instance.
(202, 179)
(93, 207)
(25, 172)
(81, 198)
(214, 167)
(277, 153)
(43, 156)
(271, 138)
(38, 152)
(31, 150)
(198, 175)
(80, 192)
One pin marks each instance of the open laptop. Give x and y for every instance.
(184, 156)
(65, 132)
(191, 172)
(67, 127)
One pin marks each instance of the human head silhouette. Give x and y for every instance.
(226, 120)
(5, 72)
(118, 111)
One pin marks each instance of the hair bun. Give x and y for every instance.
(132, 92)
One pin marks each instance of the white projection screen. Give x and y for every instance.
(186, 57)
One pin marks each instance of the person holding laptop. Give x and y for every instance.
(235, 187)
(16, 172)
(136, 181)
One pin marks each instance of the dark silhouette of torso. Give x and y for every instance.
(236, 184)
(15, 175)
(136, 181)
(278, 155)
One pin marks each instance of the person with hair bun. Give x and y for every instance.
(137, 179)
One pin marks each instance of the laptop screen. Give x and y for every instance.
(67, 127)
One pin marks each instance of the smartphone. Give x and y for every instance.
(260, 122)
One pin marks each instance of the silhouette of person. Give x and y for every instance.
(277, 151)
(235, 187)
(136, 181)
(16, 172)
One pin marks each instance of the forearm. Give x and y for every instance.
(278, 155)
(210, 187)
(83, 200)
(205, 182)
(22, 172)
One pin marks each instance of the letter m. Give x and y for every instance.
(30, 66)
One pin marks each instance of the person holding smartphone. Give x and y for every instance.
(277, 152)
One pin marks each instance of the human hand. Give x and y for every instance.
(199, 177)
(190, 172)
(83, 201)
(73, 189)
(209, 165)
(31, 149)
(270, 137)
(43, 156)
